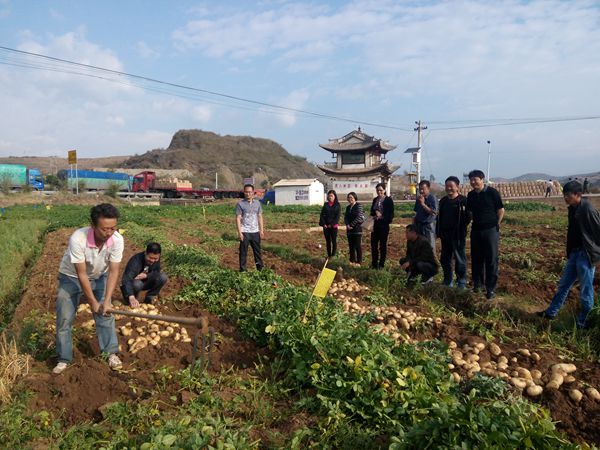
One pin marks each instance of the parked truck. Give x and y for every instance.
(91, 180)
(147, 181)
(18, 176)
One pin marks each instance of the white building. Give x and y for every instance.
(305, 191)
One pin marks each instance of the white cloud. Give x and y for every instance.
(115, 120)
(201, 113)
(295, 100)
(145, 51)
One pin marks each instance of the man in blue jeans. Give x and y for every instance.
(583, 253)
(90, 266)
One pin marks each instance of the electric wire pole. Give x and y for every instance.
(417, 155)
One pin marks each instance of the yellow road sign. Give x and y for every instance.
(72, 156)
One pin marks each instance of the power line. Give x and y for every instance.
(205, 91)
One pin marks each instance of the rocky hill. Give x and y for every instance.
(233, 158)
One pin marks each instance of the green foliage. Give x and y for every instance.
(35, 337)
(527, 206)
(18, 427)
(113, 190)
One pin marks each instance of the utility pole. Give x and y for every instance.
(489, 178)
(417, 154)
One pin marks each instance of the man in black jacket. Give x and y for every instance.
(382, 210)
(485, 205)
(419, 259)
(142, 273)
(583, 253)
(453, 219)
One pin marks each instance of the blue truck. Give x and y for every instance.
(91, 180)
(19, 176)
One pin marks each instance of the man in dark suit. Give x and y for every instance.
(142, 273)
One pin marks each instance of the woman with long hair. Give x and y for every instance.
(354, 218)
(329, 219)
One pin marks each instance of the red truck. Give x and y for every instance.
(147, 181)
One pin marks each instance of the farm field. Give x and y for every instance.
(374, 365)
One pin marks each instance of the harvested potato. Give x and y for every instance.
(495, 349)
(534, 390)
(593, 393)
(518, 383)
(575, 395)
(566, 368)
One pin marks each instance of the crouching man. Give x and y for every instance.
(583, 254)
(419, 259)
(90, 266)
(142, 273)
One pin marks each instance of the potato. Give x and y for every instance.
(153, 334)
(177, 336)
(518, 383)
(575, 395)
(186, 339)
(566, 368)
(513, 360)
(130, 341)
(535, 356)
(456, 377)
(502, 366)
(536, 374)
(524, 352)
(502, 360)
(164, 333)
(524, 373)
(495, 349)
(452, 345)
(593, 393)
(404, 324)
(534, 390)
(555, 382)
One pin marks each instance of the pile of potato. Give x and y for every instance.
(350, 285)
(531, 381)
(146, 332)
(390, 320)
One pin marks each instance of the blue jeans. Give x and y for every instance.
(578, 268)
(67, 300)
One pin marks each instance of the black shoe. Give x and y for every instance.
(476, 289)
(490, 295)
(544, 315)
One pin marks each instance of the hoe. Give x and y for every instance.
(206, 333)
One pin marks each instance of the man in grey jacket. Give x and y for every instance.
(583, 253)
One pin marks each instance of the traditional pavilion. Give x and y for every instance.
(360, 163)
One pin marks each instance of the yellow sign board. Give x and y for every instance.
(324, 283)
(72, 156)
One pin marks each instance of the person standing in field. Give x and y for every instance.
(583, 254)
(426, 208)
(382, 211)
(485, 205)
(90, 266)
(452, 221)
(354, 218)
(549, 186)
(250, 227)
(329, 220)
(586, 186)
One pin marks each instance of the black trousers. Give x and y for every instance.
(354, 242)
(252, 240)
(484, 258)
(331, 240)
(153, 284)
(425, 269)
(379, 238)
(453, 248)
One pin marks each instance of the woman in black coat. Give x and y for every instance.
(382, 211)
(354, 218)
(330, 217)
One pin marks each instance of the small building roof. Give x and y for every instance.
(412, 150)
(356, 141)
(295, 182)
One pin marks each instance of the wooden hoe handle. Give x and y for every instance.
(199, 322)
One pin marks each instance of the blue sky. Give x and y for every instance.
(450, 64)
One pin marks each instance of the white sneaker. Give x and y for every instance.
(59, 368)
(114, 362)
(427, 281)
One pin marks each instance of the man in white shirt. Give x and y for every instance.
(250, 227)
(90, 266)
